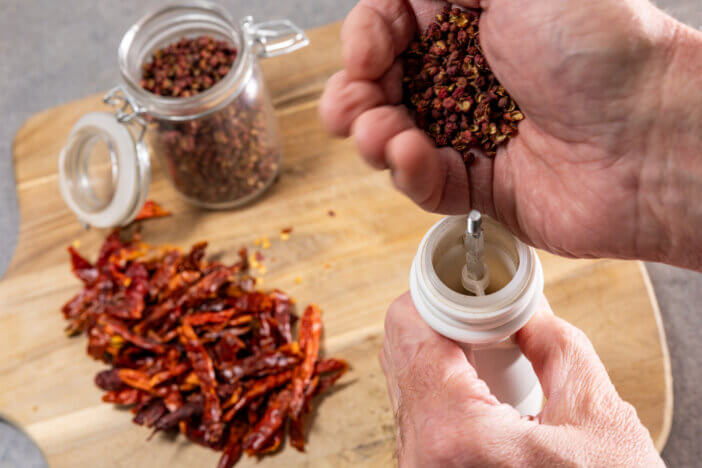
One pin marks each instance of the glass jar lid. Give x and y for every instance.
(104, 171)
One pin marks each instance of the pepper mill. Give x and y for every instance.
(479, 291)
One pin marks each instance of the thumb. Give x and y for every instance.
(440, 405)
(574, 380)
(421, 365)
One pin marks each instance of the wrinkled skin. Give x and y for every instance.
(446, 416)
(600, 165)
(605, 165)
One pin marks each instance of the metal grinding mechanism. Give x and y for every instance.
(475, 275)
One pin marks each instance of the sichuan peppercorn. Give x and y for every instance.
(451, 91)
(222, 158)
(188, 67)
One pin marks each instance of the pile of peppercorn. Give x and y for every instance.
(451, 91)
(187, 67)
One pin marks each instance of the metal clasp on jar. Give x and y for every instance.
(125, 109)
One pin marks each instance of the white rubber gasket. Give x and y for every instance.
(127, 185)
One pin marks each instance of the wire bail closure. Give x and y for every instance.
(125, 109)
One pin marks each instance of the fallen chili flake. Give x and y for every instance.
(151, 209)
(194, 347)
(451, 91)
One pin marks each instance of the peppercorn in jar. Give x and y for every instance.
(193, 96)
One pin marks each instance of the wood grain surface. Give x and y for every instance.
(352, 265)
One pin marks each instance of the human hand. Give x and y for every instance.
(589, 174)
(446, 416)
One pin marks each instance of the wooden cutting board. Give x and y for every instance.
(352, 265)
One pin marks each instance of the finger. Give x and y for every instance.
(574, 380)
(471, 3)
(443, 409)
(555, 348)
(377, 31)
(426, 365)
(344, 100)
(391, 83)
(373, 34)
(435, 179)
(374, 128)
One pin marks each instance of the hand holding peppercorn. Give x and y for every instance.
(605, 164)
(599, 129)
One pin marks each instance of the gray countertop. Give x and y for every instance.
(52, 52)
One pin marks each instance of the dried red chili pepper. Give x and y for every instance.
(127, 396)
(194, 348)
(204, 369)
(150, 413)
(83, 269)
(234, 449)
(276, 413)
(283, 314)
(114, 328)
(189, 410)
(273, 444)
(310, 334)
(165, 375)
(258, 365)
(258, 388)
(326, 373)
(297, 434)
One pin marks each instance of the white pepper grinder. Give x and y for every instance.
(475, 283)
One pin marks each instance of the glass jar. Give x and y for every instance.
(220, 148)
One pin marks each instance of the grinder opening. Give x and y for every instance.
(501, 256)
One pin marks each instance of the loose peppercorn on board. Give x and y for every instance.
(350, 250)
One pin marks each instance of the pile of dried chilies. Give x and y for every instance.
(195, 348)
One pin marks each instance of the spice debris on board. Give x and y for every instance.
(194, 347)
(151, 209)
(451, 91)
